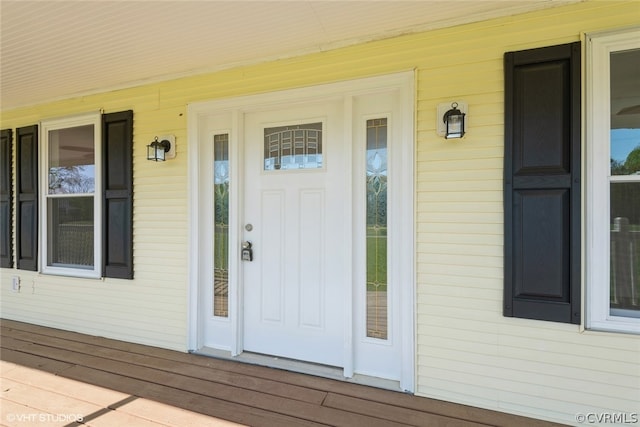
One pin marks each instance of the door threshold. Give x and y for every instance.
(307, 368)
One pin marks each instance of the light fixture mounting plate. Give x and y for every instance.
(172, 150)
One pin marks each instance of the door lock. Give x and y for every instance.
(247, 252)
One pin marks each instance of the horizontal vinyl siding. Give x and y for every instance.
(151, 309)
(466, 351)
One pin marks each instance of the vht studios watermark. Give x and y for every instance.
(608, 418)
(43, 418)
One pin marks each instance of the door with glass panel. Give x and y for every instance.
(305, 230)
(296, 220)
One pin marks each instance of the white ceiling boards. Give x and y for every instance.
(57, 49)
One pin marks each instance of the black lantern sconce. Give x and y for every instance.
(451, 120)
(454, 120)
(161, 149)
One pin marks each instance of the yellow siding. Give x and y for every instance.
(152, 308)
(466, 351)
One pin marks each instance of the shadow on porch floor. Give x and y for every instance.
(50, 376)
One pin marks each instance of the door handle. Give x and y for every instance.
(247, 251)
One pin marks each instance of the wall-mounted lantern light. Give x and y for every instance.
(162, 148)
(454, 119)
(451, 120)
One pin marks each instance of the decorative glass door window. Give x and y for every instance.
(293, 147)
(70, 197)
(377, 228)
(221, 225)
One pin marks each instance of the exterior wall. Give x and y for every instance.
(467, 351)
(152, 308)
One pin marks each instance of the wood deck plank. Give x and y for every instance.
(7, 367)
(245, 381)
(254, 371)
(312, 382)
(255, 399)
(229, 390)
(118, 418)
(195, 402)
(293, 378)
(239, 413)
(64, 386)
(393, 413)
(403, 400)
(19, 415)
(25, 359)
(45, 401)
(172, 416)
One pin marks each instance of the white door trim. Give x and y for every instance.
(197, 114)
(348, 356)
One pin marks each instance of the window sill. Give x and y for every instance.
(623, 325)
(71, 272)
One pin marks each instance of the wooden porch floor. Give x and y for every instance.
(49, 376)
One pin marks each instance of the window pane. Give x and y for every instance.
(625, 249)
(221, 225)
(377, 228)
(625, 113)
(70, 232)
(71, 160)
(293, 147)
(625, 192)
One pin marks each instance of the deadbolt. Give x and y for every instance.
(247, 253)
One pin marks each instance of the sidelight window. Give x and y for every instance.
(377, 228)
(221, 225)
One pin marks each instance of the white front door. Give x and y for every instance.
(296, 207)
(320, 181)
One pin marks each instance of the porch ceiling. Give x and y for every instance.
(57, 49)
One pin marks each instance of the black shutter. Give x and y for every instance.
(542, 184)
(117, 217)
(6, 189)
(27, 197)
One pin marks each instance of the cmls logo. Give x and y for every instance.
(608, 418)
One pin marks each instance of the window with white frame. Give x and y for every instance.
(613, 181)
(70, 208)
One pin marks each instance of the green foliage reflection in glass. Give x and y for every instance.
(221, 225)
(377, 228)
(630, 165)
